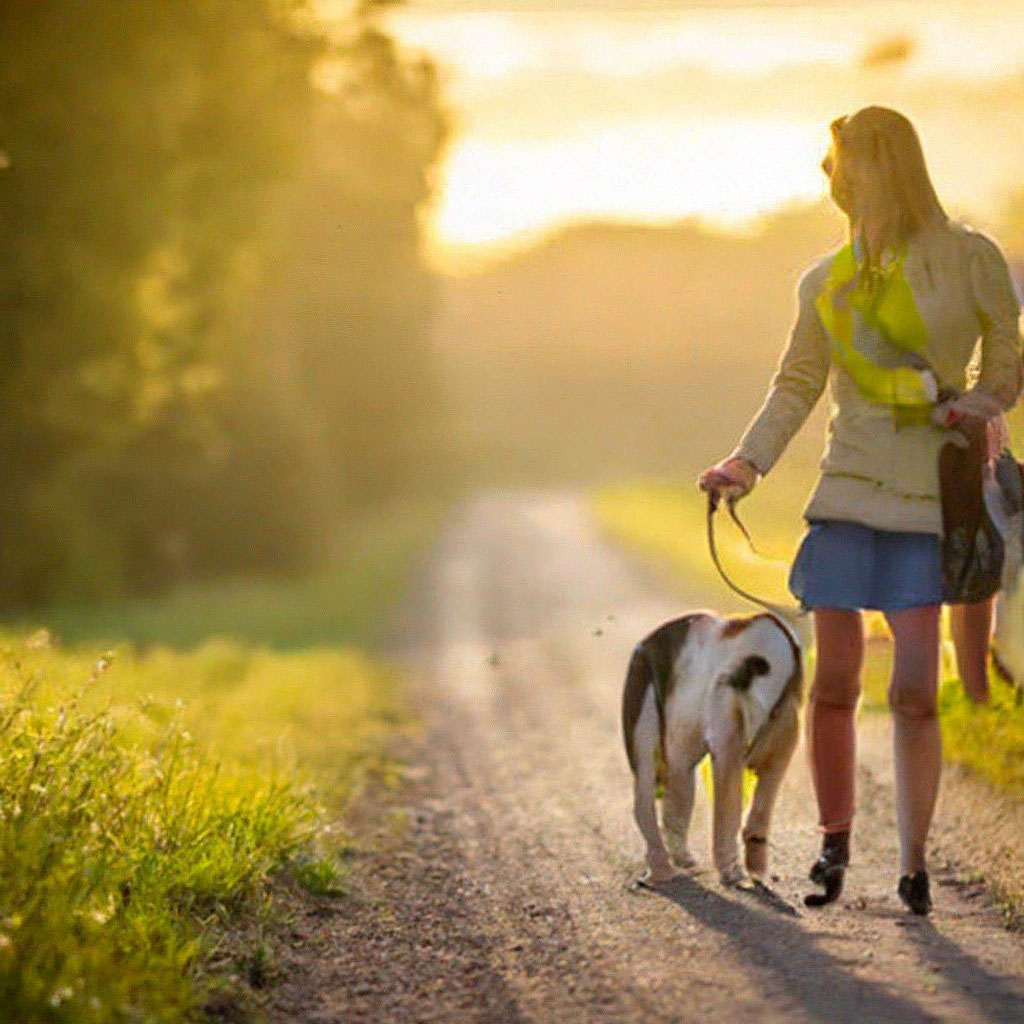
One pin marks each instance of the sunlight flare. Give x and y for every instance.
(729, 171)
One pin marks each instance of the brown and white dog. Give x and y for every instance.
(728, 687)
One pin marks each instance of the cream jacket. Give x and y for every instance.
(873, 472)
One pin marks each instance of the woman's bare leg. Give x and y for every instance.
(917, 743)
(831, 738)
(971, 626)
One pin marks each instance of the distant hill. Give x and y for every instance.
(615, 350)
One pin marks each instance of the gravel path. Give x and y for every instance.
(508, 895)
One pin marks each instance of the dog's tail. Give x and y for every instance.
(640, 681)
(643, 726)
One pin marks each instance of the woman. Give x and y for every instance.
(890, 321)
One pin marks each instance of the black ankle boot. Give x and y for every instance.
(829, 869)
(915, 892)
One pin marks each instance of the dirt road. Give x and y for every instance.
(510, 896)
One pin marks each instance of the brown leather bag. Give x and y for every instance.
(972, 547)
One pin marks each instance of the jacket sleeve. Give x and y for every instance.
(1001, 374)
(795, 388)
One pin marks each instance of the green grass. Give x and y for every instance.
(988, 740)
(145, 811)
(155, 799)
(347, 601)
(663, 525)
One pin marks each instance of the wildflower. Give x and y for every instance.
(101, 665)
(40, 640)
(61, 995)
(101, 915)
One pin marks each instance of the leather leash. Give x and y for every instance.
(779, 611)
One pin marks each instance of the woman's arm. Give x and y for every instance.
(1001, 376)
(796, 386)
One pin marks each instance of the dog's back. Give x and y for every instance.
(675, 667)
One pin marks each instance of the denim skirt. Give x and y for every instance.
(851, 566)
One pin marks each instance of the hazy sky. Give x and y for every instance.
(659, 111)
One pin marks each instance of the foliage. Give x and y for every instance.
(135, 834)
(154, 805)
(345, 257)
(347, 601)
(161, 163)
(990, 739)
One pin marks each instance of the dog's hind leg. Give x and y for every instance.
(727, 773)
(770, 774)
(677, 810)
(646, 743)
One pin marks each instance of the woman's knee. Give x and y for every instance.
(912, 701)
(915, 676)
(836, 686)
(840, 642)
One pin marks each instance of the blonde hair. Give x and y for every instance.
(880, 179)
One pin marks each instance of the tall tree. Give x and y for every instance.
(150, 147)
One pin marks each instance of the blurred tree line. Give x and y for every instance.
(213, 311)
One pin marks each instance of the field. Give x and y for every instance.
(156, 798)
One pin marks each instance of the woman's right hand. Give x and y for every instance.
(731, 478)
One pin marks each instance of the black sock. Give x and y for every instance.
(837, 846)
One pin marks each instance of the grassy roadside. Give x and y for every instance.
(155, 799)
(663, 525)
(348, 600)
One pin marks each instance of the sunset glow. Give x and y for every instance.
(564, 114)
(725, 171)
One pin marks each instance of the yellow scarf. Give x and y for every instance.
(885, 302)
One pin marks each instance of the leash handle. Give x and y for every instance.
(715, 497)
(730, 504)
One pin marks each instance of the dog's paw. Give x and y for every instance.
(733, 876)
(652, 881)
(657, 875)
(681, 855)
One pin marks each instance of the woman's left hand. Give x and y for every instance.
(733, 478)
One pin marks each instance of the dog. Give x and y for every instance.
(728, 687)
